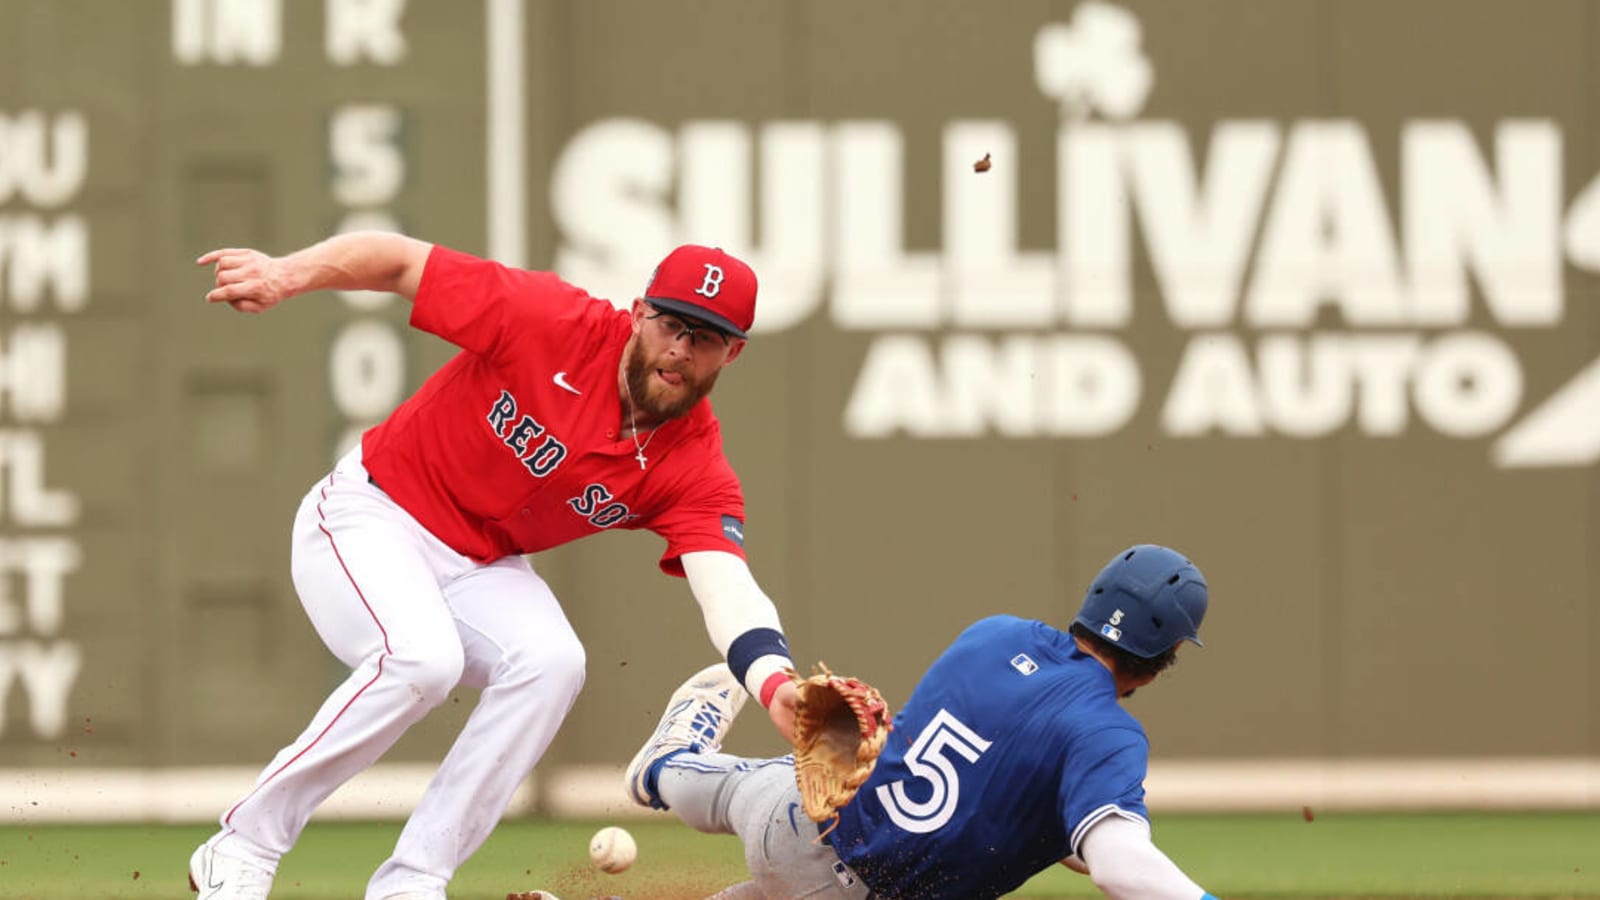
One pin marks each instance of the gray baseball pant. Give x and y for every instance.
(757, 800)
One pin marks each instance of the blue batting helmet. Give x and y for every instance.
(1146, 600)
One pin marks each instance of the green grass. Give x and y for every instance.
(1343, 856)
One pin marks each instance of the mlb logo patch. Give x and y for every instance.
(846, 877)
(733, 530)
(1024, 664)
(1112, 632)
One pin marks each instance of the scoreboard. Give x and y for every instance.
(152, 446)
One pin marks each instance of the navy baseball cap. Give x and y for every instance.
(708, 284)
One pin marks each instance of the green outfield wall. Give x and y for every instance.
(1304, 288)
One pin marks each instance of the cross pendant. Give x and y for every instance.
(640, 457)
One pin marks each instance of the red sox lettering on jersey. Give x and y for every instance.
(545, 457)
(595, 503)
(515, 445)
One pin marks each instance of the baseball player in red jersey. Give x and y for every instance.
(561, 417)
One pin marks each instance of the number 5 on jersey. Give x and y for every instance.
(927, 760)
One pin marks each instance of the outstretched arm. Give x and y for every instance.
(744, 627)
(1125, 865)
(251, 281)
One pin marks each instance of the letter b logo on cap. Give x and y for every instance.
(712, 283)
(706, 283)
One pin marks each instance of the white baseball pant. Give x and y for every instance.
(412, 619)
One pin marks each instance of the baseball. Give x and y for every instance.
(612, 849)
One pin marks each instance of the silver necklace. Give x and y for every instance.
(634, 423)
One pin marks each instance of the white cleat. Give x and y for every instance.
(217, 876)
(696, 720)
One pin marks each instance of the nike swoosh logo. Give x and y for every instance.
(561, 382)
(207, 871)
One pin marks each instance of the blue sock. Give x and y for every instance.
(652, 779)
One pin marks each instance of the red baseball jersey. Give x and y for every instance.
(514, 445)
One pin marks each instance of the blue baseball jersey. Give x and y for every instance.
(1011, 747)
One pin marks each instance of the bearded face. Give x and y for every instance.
(650, 383)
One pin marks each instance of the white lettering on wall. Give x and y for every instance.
(610, 192)
(368, 166)
(43, 163)
(23, 495)
(1313, 297)
(43, 564)
(367, 369)
(227, 32)
(1200, 230)
(1459, 223)
(361, 31)
(1464, 384)
(367, 359)
(33, 372)
(40, 259)
(46, 671)
(877, 283)
(991, 282)
(1018, 386)
(44, 269)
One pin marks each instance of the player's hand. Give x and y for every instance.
(1076, 865)
(247, 280)
(782, 710)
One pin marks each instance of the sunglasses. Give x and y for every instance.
(701, 337)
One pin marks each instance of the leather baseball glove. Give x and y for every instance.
(840, 726)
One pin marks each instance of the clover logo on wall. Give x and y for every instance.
(1094, 63)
